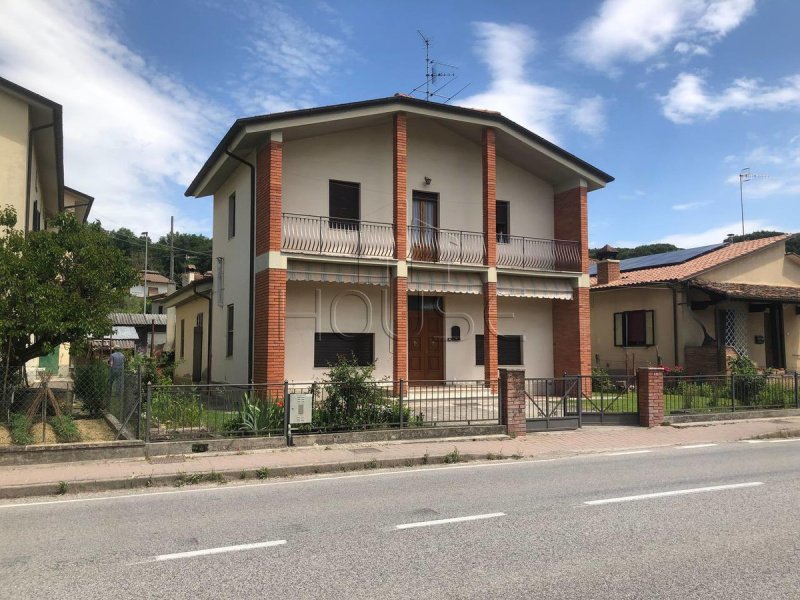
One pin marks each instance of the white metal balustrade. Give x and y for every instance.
(431, 244)
(334, 236)
(538, 254)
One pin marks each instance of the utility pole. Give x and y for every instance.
(171, 249)
(144, 276)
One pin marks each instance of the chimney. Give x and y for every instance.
(607, 271)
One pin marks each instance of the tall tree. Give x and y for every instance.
(59, 285)
(190, 249)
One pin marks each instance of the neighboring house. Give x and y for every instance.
(151, 331)
(399, 231)
(154, 284)
(189, 329)
(698, 307)
(32, 173)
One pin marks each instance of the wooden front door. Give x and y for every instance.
(773, 337)
(425, 339)
(424, 226)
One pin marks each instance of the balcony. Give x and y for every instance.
(538, 254)
(432, 244)
(337, 237)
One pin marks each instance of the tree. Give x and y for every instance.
(644, 250)
(196, 246)
(59, 285)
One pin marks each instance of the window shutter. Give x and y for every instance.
(619, 329)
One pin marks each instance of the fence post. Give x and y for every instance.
(512, 405)
(796, 398)
(287, 426)
(579, 402)
(401, 404)
(139, 400)
(149, 409)
(650, 396)
(46, 384)
(733, 392)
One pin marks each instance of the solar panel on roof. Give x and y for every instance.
(663, 259)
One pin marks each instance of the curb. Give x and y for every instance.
(176, 479)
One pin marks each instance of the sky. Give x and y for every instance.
(672, 97)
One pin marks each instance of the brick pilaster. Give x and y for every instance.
(512, 407)
(650, 387)
(490, 333)
(572, 349)
(400, 328)
(400, 186)
(490, 195)
(269, 190)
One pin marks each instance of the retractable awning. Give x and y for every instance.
(420, 280)
(337, 273)
(534, 287)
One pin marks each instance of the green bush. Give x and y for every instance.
(776, 393)
(256, 416)
(601, 381)
(176, 407)
(748, 383)
(65, 429)
(21, 430)
(92, 386)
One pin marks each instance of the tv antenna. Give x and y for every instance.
(433, 74)
(744, 176)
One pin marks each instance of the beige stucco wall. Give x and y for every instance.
(532, 318)
(454, 165)
(768, 266)
(13, 154)
(359, 155)
(235, 281)
(530, 198)
(791, 324)
(466, 311)
(604, 303)
(342, 308)
(187, 312)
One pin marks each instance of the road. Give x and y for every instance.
(714, 521)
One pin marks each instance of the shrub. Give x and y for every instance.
(748, 383)
(775, 393)
(21, 430)
(65, 429)
(256, 416)
(176, 408)
(601, 381)
(92, 386)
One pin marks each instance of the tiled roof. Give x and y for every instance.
(154, 277)
(691, 268)
(749, 291)
(137, 319)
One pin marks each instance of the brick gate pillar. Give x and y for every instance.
(269, 346)
(512, 405)
(650, 389)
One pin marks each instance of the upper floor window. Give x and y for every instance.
(232, 215)
(344, 204)
(229, 332)
(634, 328)
(503, 221)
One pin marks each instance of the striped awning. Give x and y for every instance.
(420, 280)
(337, 273)
(534, 287)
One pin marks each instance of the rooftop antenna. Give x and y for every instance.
(744, 176)
(433, 73)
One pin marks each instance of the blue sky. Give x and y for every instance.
(672, 97)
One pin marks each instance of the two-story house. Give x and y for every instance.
(436, 241)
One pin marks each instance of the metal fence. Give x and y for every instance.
(729, 393)
(609, 399)
(208, 411)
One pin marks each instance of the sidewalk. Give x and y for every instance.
(34, 480)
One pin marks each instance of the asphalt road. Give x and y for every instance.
(524, 530)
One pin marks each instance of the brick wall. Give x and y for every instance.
(650, 386)
(269, 184)
(703, 360)
(400, 328)
(607, 270)
(512, 407)
(400, 180)
(490, 195)
(490, 333)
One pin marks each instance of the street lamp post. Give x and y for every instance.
(144, 276)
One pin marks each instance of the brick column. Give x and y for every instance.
(650, 388)
(400, 215)
(269, 347)
(572, 350)
(400, 328)
(490, 333)
(489, 156)
(512, 406)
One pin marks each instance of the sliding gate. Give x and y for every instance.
(553, 404)
(609, 400)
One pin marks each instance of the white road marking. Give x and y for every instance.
(625, 452)
(220, 550)
(695, 446)
(714, 488)
(771, 441)
(445, 521)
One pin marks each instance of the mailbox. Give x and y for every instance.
(300, 408)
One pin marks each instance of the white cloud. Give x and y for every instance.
(132, 134)
(506, 49)
(716, 235)
(688, 100)
(634, 31)
(689, 205)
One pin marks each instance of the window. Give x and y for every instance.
(232, 215)
(634, 328)
(509, 350)
(229, 337)
(183, 336)
(502, 221)
(328, 347)
(198, 320)
(37, 216)
(344, 204)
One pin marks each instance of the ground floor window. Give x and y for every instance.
(329, 347)
(634, 328)
(509, 350)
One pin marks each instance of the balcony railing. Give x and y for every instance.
(340, 237)
(538, 254)
(431, 244)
